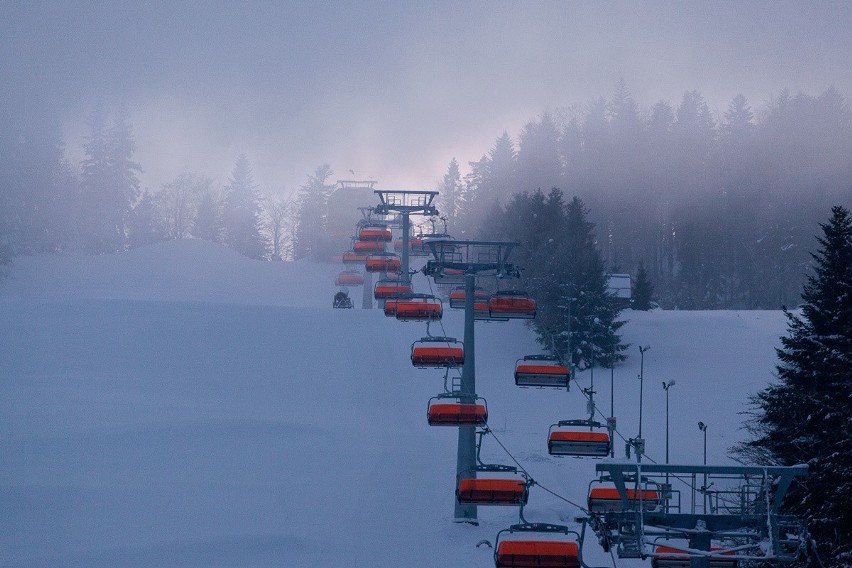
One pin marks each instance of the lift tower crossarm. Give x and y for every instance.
(406, 203)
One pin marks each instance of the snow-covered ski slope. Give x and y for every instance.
(180, 405)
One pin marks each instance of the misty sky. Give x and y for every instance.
(392, 90)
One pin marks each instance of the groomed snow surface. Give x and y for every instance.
(180, 405)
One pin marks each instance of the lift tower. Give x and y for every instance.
(471, 258)
(405, 203)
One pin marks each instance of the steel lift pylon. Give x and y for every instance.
(471, 258)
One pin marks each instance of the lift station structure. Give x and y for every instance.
(470, 259)
(729, 519)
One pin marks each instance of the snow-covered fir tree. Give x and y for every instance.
(643, 291)
(806, 416)
(241, 213)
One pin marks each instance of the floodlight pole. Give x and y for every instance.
(703, 427)
(640, 442)
(666, 387)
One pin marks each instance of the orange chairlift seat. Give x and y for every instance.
(607, 499)
(383, 262)
(352, 257)
(536, 552)
(389, 288)
(491, 490)
(541, 371)
(349, 278)
(575, 442)
(390, 307)
(417, 247)
(368, 247)
(375, 233)
(431, 352)
(666, 557)
(457, 296)
(512, 304)
(456, 413)
(417, 307)
(480, 491)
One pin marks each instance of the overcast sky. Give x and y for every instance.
(392, 90)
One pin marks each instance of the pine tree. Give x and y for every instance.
(241, 213)
(311, 237)
(450, 192)
(643, 291)
(109, 184)
(592, 329)
(208, 218)
(806, 416)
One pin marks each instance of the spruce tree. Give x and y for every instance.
(806, 416)
(241, 213)
(208, 218)
(642, 297)
(311, 236)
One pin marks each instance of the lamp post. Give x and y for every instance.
(641, 382)
(610, 423)
(703, 427)
(666, 387)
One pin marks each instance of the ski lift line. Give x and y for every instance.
(488, 430)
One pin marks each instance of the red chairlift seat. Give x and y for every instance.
(512, 305)
(375, 233)
(665, 557)
(536, 552)
(349, 278)
(457, 297)
(568, 443)
(418, 307)
(353, 257)
(387, 262)
(607, 499)
(366, 247)
(432, 352)
(456, 413)
(492, 491)
(390, 307)
(541, 371)
(389, 288)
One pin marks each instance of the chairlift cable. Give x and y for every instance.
(532, 479)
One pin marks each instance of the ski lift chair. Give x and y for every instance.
(666, 557)
(418, 307)
(496, 489)
(390, 287)
(512, 304)
(383, 262)
(368, 247)
(607, 499)
(576, 442)
(457, 413)
(375, 233)
(432, 352)
(354, 258)
(536, 551)
(457, 297)
(541, 371)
